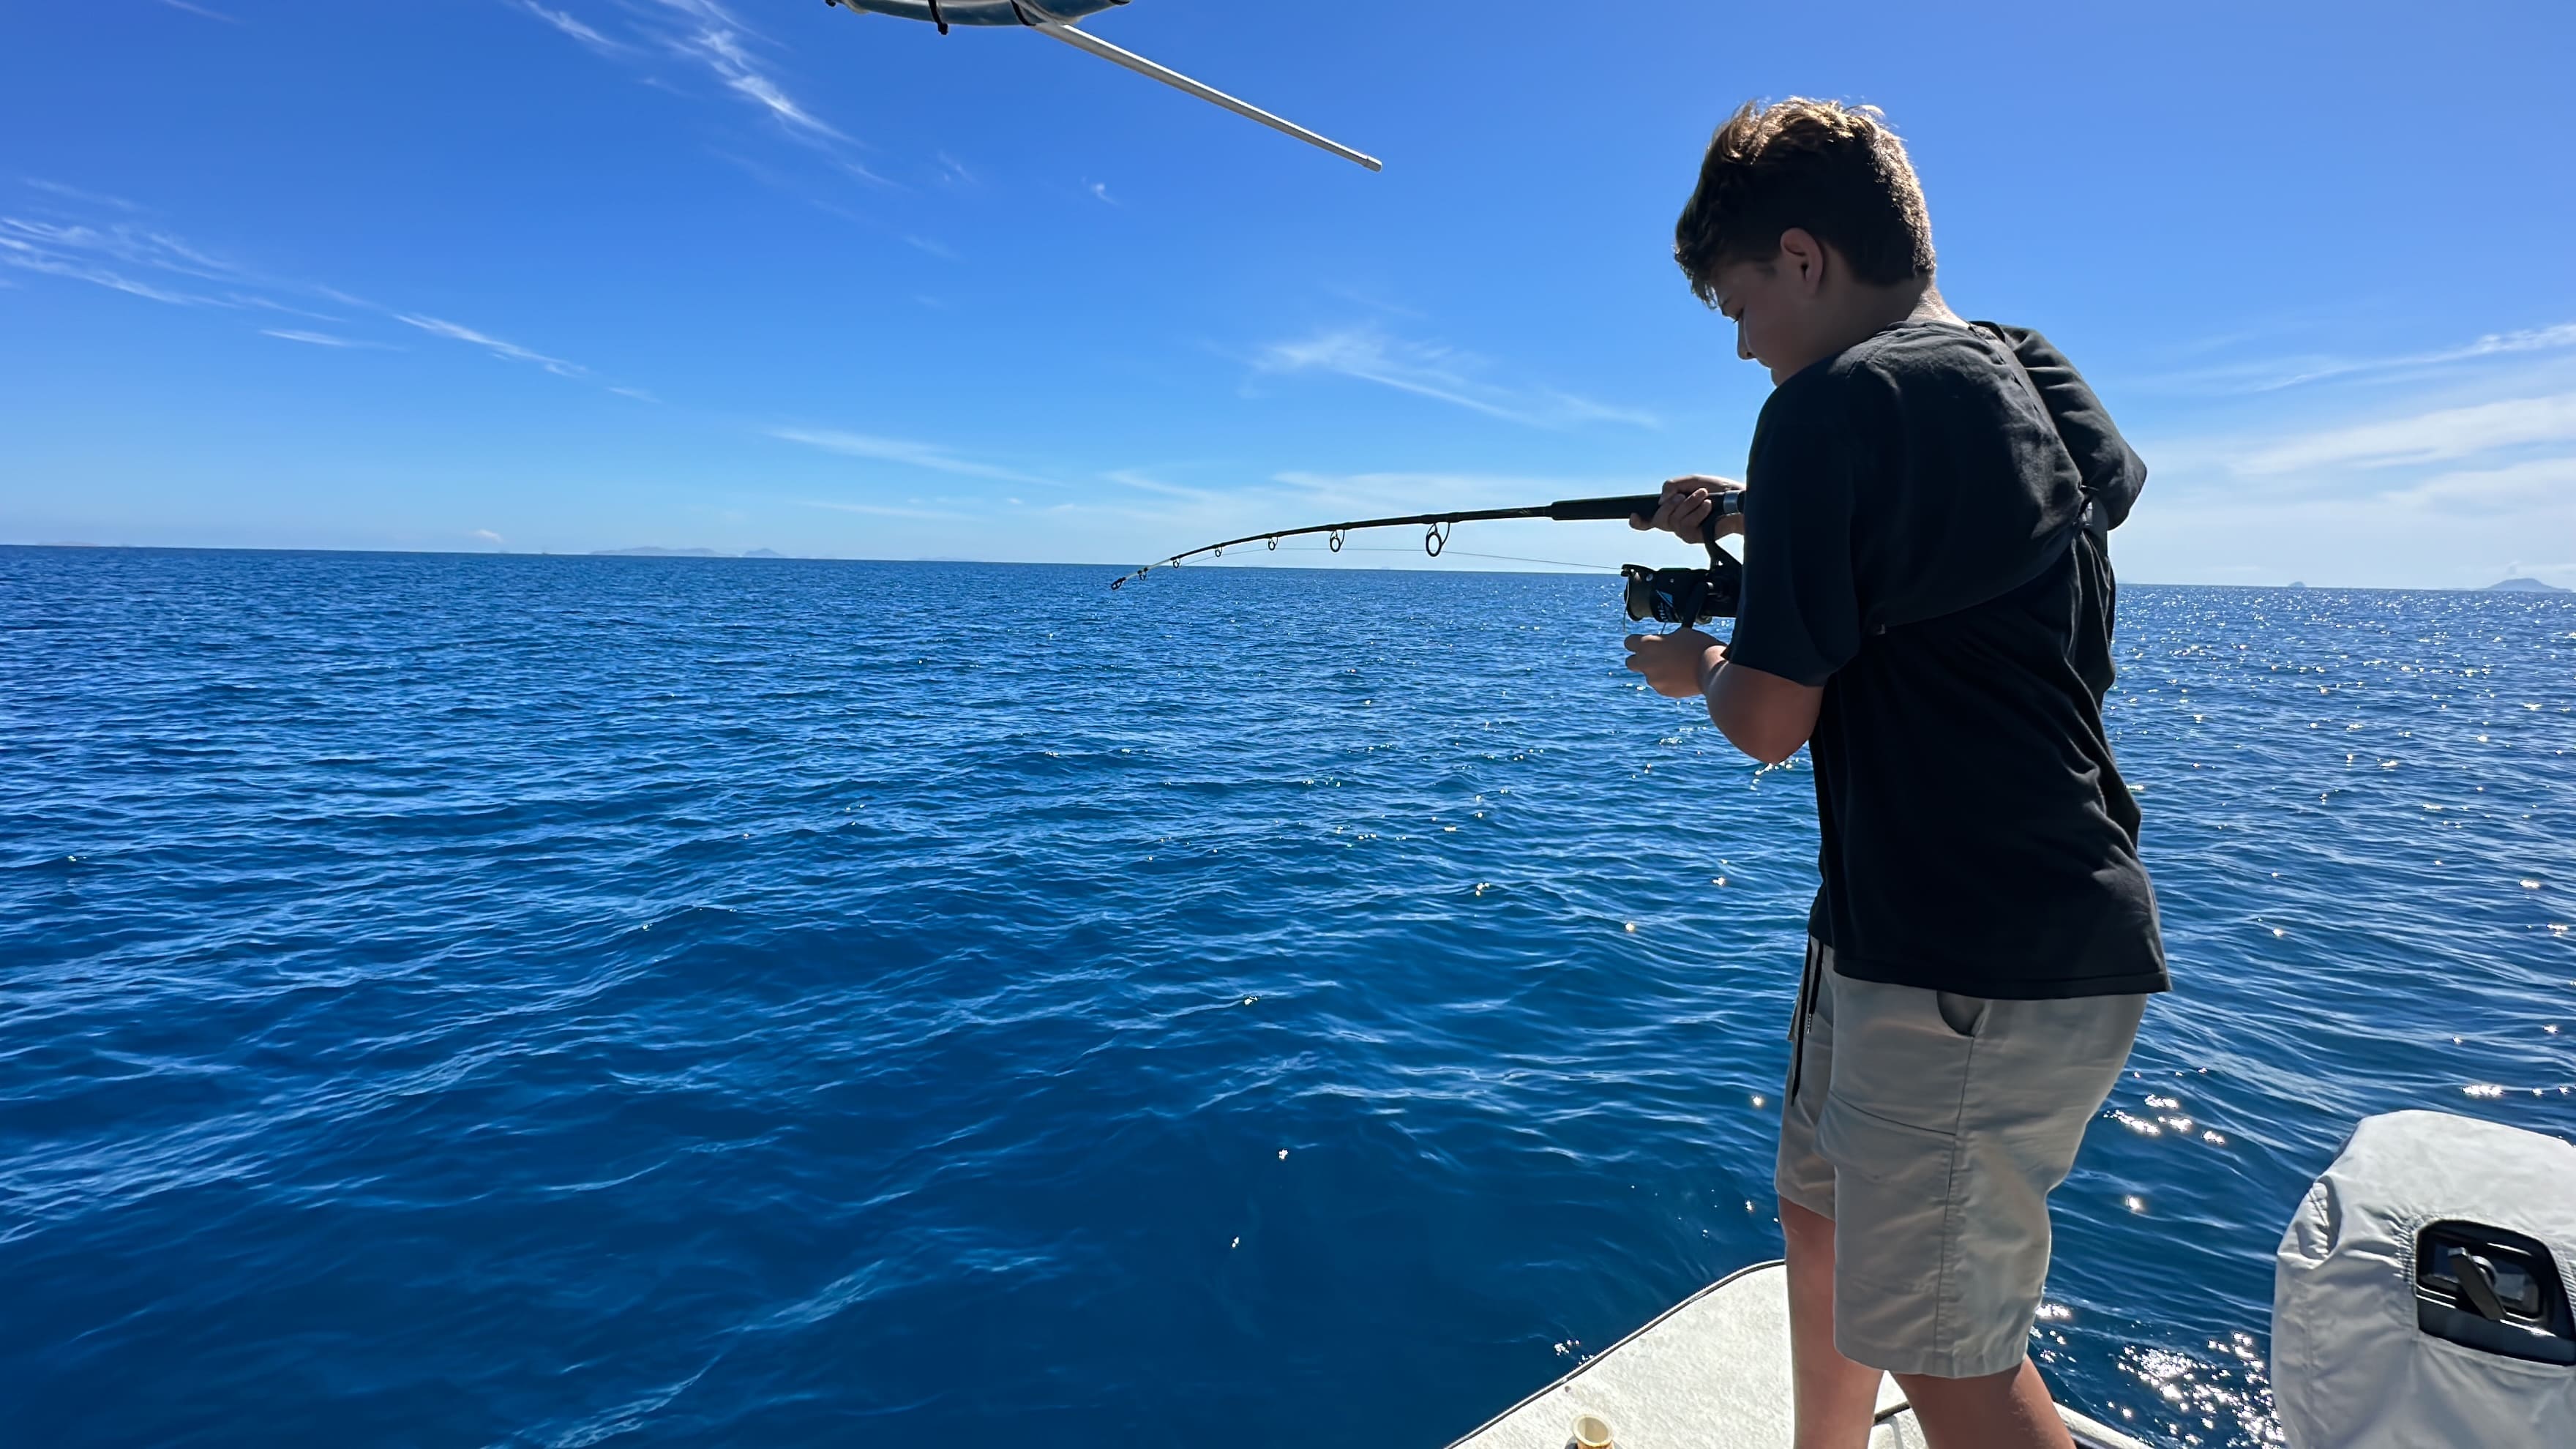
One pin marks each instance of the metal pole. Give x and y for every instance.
(1083, 40)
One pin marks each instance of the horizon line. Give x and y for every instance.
(680, 556)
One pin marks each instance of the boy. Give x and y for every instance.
(1927, 607)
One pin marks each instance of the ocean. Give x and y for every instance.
(459, 1001)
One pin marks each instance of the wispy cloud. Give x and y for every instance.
(720, 49)
(1303, 491)
(2439, 435)
(271, 304)
(565, 22)
(708, 36)
(318, 339)
(18, 252)
(1439, 372)
(153, 263)
(1401, 492)
(2431, 466)
(2281, 373)
(195, 9)
(1130, 478)
(2494, 344)
(1101, 189)
(880, 510)
(111, 253)
(1376, 303)
(675, 45)
(106, 254)
(487, 536)
(2537, 483)
(437, 327)
(900, 450)
(74, 193)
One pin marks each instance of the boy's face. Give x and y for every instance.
(1780, 308)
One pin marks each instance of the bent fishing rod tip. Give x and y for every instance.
(1564, 510)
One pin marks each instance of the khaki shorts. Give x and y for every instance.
(1931, 1128)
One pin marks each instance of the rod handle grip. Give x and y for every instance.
(1576, 510)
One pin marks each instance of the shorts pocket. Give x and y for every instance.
(1892, 1186)
(1964, 1015)
(1898, 1059)
(1878, 1149)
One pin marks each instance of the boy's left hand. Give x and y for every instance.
(1687, 509)
(1673, 663)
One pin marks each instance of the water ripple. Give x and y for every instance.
(520, 1001)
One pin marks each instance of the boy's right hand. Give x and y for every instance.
(1687, 503)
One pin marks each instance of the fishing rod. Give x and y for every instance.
(1673, 596)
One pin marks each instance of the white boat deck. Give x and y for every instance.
(1711, 1373)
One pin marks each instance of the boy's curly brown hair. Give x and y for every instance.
(1836, 170)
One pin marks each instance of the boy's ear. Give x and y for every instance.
(1802, 256)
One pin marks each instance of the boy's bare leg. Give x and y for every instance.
(2009, 1410)
(1834, 1395)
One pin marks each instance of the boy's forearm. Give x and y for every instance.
(1763, 715)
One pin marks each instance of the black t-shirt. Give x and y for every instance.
(1927, 539)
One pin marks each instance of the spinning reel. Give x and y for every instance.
(1686, 596)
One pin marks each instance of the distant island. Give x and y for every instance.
(2525, 586)
(649, 552)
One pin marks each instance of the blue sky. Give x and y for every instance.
(573, 274)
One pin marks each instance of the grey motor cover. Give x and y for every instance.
(988, 12)
(2351, 1367)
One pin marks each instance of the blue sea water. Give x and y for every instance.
(568, 1001)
